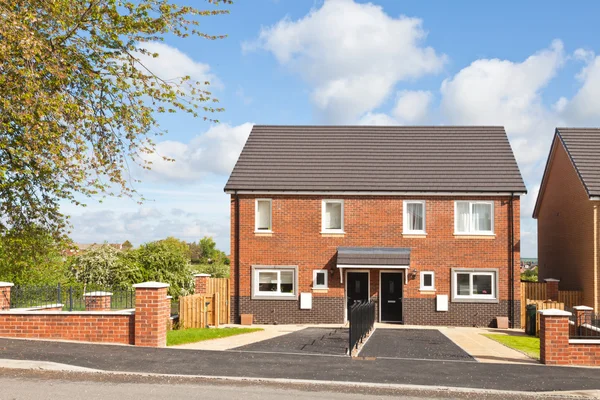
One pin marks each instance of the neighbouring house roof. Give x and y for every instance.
(377, 159)
(583, 148)
(373, 256)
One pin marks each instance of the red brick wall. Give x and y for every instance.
(97, 303)
(69, 326)
(152, 312)
(555, 348)
(373, 221)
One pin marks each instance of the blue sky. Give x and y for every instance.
(529, 66)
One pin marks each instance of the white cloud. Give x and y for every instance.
(412, 106)
(584, 107)
(351, 54)
(172, 63)
(144, 225)
(213, 152)
(377, 119)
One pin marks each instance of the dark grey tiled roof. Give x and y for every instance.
(375, 158)
(373, 256)
(583, 146)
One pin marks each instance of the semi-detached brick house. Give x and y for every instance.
(424, 221)
(568, 213)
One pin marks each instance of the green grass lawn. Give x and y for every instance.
(199, 334)
(529, 345)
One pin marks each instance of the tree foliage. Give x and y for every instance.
(77, 105)
(104, 266)
(530, 275)
(31, 257)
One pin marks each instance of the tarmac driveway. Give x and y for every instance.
(332, 341)
(422, 344)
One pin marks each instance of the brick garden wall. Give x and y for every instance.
(83, 326)
(371, 221)
(144, 326)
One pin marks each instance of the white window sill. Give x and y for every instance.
(264, 296)
(263, 231)
(320, 289)
(334, 233)
(461, 235)
(414, 235)
(427, 290)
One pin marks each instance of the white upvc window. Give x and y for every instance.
(474, 285)
(320, 279)
(274, 282)
(427, 280)
(414, 217)
(332, 218)
(263, 215)
(474, 217)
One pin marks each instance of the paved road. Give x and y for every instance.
(307, 367)
(41, 385)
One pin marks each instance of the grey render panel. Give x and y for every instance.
(583, 147)
(377, 159)
(373, 256)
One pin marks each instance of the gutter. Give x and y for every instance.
(511, 274)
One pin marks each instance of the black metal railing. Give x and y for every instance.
(362, 319)
(70, 296)
(175, 308)
(584, 325)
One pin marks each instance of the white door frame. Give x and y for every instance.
(393, 271)
(368, 271)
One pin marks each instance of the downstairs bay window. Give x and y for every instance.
(274, 282)
(475, 285)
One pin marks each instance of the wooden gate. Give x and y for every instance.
(531, 291)
(198, 311)
(544, 305)
(220, 286)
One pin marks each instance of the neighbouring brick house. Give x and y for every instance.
(424, 221)
(567, 213)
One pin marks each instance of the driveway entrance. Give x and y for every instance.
(422, 344)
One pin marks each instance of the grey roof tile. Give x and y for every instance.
(583, 146)
(375, 158)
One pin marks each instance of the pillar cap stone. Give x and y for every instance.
(6, 284)
(583, 308)
(97, 294)
(151, 285)
(201, 275)
(551, 280)
(553, 312)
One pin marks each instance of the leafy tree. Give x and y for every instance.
(209, 254)
(215, 270)
(77, 103)
(31, 257)
(167, 261)
(530, 275)
(105, 266)
(126, 245)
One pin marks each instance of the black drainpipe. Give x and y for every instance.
(511, 274)
(237, 257)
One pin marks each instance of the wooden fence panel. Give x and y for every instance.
(197, 311)
(571, 298)
(220, 286)
(544, 305)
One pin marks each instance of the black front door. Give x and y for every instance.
(391, 296)
(357, 287)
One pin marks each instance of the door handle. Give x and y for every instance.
(391, 301)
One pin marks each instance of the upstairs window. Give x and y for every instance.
(414, 216)
(263, 215)
(474, 217)
(333, 216)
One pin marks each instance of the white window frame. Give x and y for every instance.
(471, 231)
(423, 287)
(256, 229)
(492, 297)
(405, 229)
(320, 271)
(257, 294)
(323, 205)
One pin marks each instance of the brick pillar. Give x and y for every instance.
(97, 301)
(552, 289)
(151, 314)
(554, 337)
(583, 315)
(201, 283)
(5, 295)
